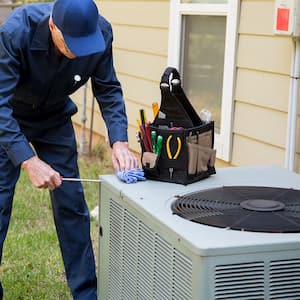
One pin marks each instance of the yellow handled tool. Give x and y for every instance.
(168, 147)
(155, 108)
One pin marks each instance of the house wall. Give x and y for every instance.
(262, 87)
(263, 66)
(262, 75)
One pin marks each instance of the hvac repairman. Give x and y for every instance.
(47, 51)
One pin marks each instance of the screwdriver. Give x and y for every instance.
(159, 144)
(153, 138)
(80, 179)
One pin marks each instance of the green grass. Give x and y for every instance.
(32, 266)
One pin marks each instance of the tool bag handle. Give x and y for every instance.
(175, 106)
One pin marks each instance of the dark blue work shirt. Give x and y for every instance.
(35, 83)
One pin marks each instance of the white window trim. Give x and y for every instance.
(223, 140)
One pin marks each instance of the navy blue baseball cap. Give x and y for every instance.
(78, 22)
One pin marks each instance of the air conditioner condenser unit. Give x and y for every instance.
(247, 248)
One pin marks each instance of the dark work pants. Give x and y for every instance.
(57, 147)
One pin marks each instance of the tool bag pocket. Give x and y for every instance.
(186, 152)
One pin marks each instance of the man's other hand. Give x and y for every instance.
(122, 158)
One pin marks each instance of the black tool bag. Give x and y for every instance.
(187, 153)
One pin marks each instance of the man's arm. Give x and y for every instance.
(12, 140)
(108, 92)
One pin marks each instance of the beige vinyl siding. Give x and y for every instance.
(257, 153)
(262, 87)
(140, 55)
(269, 124)
(5, 9)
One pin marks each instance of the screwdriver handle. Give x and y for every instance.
(159, 144)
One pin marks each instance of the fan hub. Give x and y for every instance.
(262, 205)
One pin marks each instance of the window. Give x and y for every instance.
(202, 42)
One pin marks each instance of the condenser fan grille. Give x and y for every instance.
(248, 208)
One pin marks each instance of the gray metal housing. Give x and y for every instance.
(146, 252)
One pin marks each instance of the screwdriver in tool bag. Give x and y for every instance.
(153, 138)
(159, 144)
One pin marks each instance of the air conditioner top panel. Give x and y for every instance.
(153, 200)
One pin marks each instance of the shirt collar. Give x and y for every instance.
(41, 36)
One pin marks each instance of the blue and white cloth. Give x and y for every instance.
(131, 176)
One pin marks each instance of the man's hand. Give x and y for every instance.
(41, 174)
(122, 158)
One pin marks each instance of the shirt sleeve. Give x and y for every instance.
(12, 140)
(108, 92)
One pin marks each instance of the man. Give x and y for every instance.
(47, 51)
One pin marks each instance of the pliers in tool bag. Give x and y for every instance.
(168, 147)
(169, 153)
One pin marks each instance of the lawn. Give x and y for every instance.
(32, 266)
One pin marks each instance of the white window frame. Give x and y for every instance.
(223, 140)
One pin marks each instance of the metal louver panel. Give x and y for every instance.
(182, 277)
(143, 265)
(240, 281)
(115, 257)
(162, 270)
(129, 257)
(285, 279)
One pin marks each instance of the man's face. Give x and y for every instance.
(59, 42)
